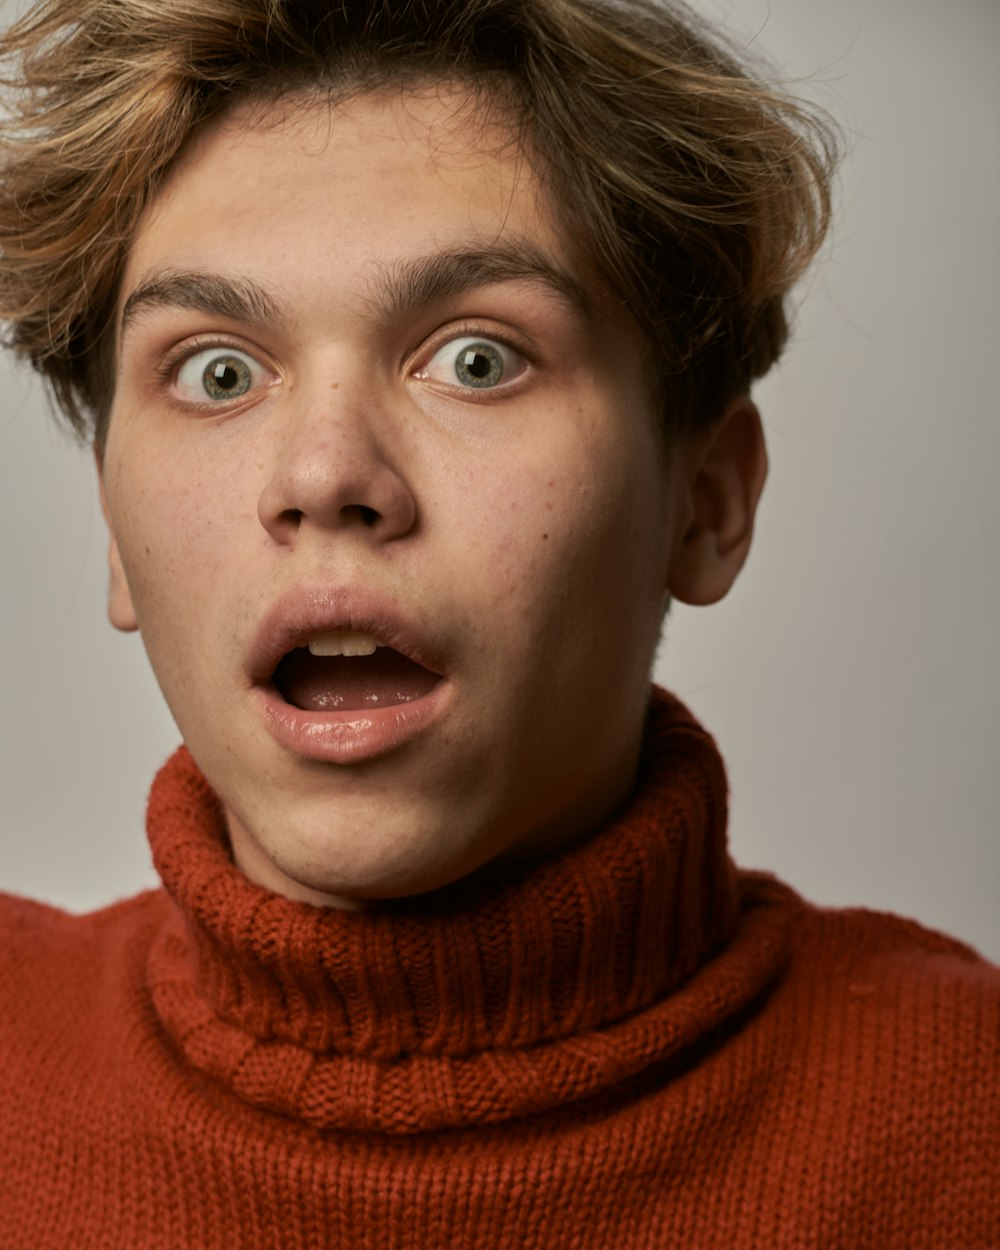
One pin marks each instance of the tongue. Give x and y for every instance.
(343, 683)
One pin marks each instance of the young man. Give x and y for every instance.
(415, 346)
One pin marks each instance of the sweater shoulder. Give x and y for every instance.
(873, 991)
(71, 986)
(913, 978)
(40, 940)
(875, 948)
(881, 998)
(860, 941)
(886, 1035)
(23, 917)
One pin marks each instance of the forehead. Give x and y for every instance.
(337, 190)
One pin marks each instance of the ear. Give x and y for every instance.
(722, 475)
(121, 613)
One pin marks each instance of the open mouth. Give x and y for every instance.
(345, 671)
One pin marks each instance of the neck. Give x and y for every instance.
(296, 1000)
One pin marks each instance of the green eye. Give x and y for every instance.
(216, 375)
(479, 364)
(476, 364)
(226, 377)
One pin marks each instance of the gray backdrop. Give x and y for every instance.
(851, 678)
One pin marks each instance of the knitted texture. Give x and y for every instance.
(629, 1045)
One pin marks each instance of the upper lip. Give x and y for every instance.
(303, 613)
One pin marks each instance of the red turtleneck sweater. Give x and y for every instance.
(631, 1045)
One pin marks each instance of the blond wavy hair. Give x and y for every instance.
(696, 191)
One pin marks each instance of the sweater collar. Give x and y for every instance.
(457, 1007)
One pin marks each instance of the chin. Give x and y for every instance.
(347, 859)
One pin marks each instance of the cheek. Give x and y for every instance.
(172, 526)
(572, 534)
(522, 530)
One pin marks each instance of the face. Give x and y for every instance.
(366, 403)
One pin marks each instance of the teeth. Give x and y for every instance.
(342, 642)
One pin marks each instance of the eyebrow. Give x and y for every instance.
(398, 288)
(423, 281)
(239, 299)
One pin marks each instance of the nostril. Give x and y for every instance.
(368, 515)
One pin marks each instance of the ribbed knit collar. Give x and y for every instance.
(460, 1007)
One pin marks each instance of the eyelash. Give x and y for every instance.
(474, 330)
(169, 367)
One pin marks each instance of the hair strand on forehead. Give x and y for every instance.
(693, 191)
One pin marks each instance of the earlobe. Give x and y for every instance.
(121, 612)
(723, 474)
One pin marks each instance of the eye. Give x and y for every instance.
(218, 374)
(473, 362)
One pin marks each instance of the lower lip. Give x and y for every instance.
(350, 737)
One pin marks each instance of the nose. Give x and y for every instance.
(333, 469)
